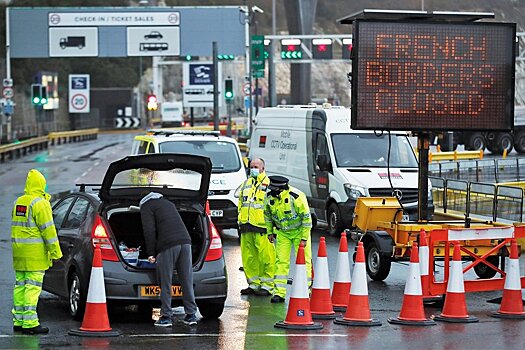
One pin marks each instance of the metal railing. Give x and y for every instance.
(485, 170)
(494, 202)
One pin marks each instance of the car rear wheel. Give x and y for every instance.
(76, 297)
(210, 309)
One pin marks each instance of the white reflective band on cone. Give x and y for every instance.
(359, 286)
(455, 280)
(423, 260)
(413, 284)
(342, 270)
(512, 280)
(300, 284)
(321, 280)
(96, 291)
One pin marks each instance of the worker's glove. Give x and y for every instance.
(271, 238)
(304, 242)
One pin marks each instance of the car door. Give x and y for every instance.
(60, 211)
(71, 237)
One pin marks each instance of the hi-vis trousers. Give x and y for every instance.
(27, 290)
(283, 249)
(258, 260)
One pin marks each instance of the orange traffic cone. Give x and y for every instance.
(424, 267)
(298, 315)
(342, 281)
(412, 312)
(321, 303)
(455, 308)
(358, 309)
(511, 303)
(96, 322)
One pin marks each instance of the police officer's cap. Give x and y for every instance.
(278, 182)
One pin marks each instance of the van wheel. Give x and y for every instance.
(377, 265)
(76, 297)
(335, 224)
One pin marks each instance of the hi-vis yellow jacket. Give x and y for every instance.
(251, 201)
(33, 234)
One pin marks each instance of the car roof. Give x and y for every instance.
(159, 136)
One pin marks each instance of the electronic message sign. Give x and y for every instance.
(433, 75)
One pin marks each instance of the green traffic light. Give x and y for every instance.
(228, 95)
(43, 101)
(36, 100)
(188, 58)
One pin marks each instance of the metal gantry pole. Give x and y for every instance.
(215, 87)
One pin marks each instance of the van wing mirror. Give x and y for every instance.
(323, 161)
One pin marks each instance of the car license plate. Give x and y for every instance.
(154, 291)
(216, 213)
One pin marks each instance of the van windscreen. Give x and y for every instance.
(369, 150)
(223, 155)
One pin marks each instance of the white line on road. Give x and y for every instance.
(179, 335)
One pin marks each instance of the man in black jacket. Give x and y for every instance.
(169, 244)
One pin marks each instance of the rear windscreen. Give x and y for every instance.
(223, 155)
(174, 179)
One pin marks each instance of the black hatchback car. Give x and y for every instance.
(111, 219)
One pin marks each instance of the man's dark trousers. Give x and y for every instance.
(178, 257)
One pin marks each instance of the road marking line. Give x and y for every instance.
(181, 335)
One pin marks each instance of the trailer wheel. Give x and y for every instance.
(476, 142)
(335, 223)
(503, 141)
(377, 265)
(483, 271)
(519, 142)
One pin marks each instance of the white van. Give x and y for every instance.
(171, 114)
(228, 171)
(332, 164)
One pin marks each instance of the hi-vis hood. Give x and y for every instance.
(36, 184)
(378, 177)
(178, 177)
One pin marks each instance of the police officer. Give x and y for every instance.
(35, 247)
(258, 254)
(288, 222)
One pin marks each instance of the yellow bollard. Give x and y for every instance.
(438, 148)
(430, 157)
(481, 153)
(504, 153)
(455, 156)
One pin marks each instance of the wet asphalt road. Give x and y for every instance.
(247, 322)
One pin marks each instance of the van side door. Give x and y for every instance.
(319, 179)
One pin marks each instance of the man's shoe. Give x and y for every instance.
(262, 292)
(190, 319)
(17, 328)
(35, 330)
(247, 291)
(277, 299)
(164, 322)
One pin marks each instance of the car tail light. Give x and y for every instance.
(215, 249)
(99, 236)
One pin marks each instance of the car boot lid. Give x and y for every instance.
(175, 176)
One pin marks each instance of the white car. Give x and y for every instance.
(228, 171)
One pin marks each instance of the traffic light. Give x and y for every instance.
(266, 52)
(225, 57)
(347, 49)
(322, 48)
(228, 89)
(291, 49)
(36, 94)
(152, 103)
(189, 58)
(43, 95)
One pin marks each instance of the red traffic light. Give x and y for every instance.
(152, 103)
(152, 98)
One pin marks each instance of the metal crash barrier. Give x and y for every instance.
(72, 136)
(455, 155)
(443, 239)
(22, 148)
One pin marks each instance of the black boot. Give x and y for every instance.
(35, 330)
(277, 299)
